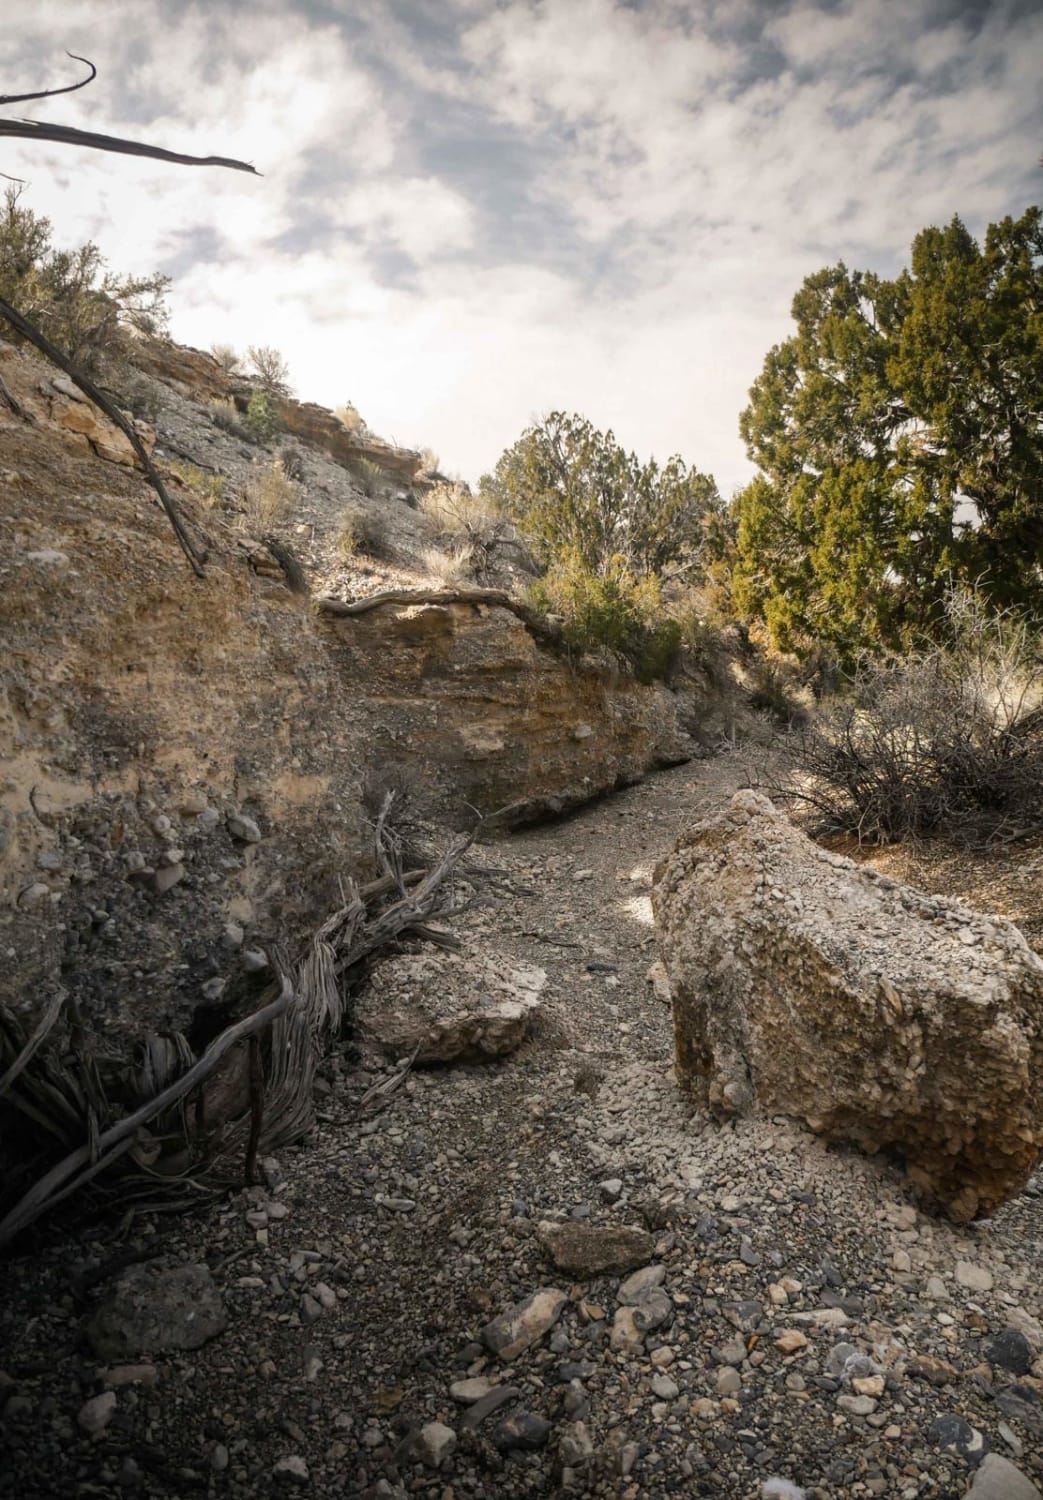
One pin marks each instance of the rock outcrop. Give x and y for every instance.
(443, 1007)
(807, 985)
(183, 761)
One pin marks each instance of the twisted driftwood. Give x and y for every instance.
(67, 1101)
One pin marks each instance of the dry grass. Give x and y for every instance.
(269, 497)
(448, 568)
(350, 417)
(429, 462)
(369, 477)
(209, 488)
(361, 534)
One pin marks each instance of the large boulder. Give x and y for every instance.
(807, 985)
(447, 1006)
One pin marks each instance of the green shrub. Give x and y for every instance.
(610, 610)
(261, 421)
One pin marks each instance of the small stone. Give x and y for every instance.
(243, 828)
(525, 1431)
(167, 877)
(665, 1388)
(954, 1434)
(525, 1323)
(96, 1414)
(254, 960)
(219, 1458)
(34, 894)
(631, 1289)
(435, 1442)
(936, 1289)
(998, 1479)
(729, 1381)
(975, 1278)
(856, 1406)
(1011, 1350)
(790, 1340)
(936, 1372)
(466, 1392)
(902, 1261)
(611, 1189)
(213, 989)
(475, 1415)
(291, 1470)
(868, 1385)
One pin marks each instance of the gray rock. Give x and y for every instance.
(665, 1388)
(525, 1323)
(96, 1414)
(153, 1307)
(434, 1443)
(1011, 1350)
(243, 828)
(467, 1392)
(998, 1479)
(590, 1249)
(291, 1470)
(649, 1276)
(525, 1430)
(475, 1415)
(974, 1278)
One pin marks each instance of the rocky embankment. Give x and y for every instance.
(189, 766)
(550, 1274)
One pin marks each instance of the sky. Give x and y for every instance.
(474, 212)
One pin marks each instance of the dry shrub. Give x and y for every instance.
(448, 568)
(369, 477)
(469, 525)
(269, 496)
(350, 417)
(429, 462)
(225, 415)
(360, 533)
(226, 357)
(948, 740)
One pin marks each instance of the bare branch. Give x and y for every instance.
(70, 88)
(68, 135)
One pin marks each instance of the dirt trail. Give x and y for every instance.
(358, 1290)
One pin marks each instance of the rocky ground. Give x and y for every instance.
(543, 1275)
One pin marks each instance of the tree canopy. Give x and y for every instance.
(573, 490)
(69, 294)
(899, 439)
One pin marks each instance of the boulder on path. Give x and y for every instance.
(810, 986)
(153, 1307)
(592, 1249)
(449, 1006)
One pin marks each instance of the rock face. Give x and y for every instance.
(809, 986)
(449, 1007)
(154, 1308)
(180, 753)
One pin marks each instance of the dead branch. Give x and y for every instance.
(70, 88)
(54, 354)
(538, 625)
(33, 1045)
(74, 1170)
(67, 135)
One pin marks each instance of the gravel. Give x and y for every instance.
(798, 1327)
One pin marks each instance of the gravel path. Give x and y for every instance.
(795, 1318)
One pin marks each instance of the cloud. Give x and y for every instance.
(473, 212)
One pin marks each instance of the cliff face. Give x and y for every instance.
(182, 760)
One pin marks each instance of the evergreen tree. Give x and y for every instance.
(899, 438)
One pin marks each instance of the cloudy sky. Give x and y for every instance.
(475, 211)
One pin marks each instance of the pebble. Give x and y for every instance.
(291, 1470)
(525, 1430)
(96, 1414)
(974, 1277)
(435, 1442)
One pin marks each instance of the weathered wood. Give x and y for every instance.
(541, 626)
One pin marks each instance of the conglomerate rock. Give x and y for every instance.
(807, 985)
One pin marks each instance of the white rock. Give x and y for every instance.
(975, 1278)
(435, 1443)
(96, 1414)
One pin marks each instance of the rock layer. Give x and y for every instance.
(807, 985)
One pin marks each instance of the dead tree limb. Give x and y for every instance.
(40, 341)
(70, 88)
(68, 135)
(540, 626)
(76, 1169)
